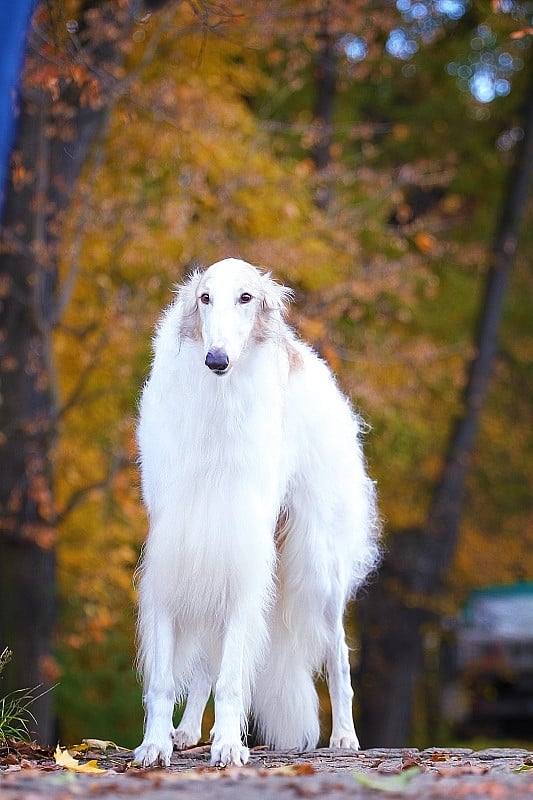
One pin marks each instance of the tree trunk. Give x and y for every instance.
(27, 555)
(325, 79)
(405, 595)
(50, 150)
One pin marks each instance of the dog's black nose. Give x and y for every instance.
(217, 360)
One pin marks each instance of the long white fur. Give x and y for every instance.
(262, 524)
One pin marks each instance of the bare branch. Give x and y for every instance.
(117, 462)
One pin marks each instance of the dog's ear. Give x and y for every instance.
(186, 298)
(275, 296)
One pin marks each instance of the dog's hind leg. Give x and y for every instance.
(340, 688)
(227, 747)
(189, 730)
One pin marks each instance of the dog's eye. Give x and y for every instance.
(204, 298)
(245, 297)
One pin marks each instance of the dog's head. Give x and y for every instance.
(228, 304)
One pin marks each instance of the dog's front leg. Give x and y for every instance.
(227, 746)
(159, 695)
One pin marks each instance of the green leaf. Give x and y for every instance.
(392, 783)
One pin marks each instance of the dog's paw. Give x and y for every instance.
(225, 754)
(344, 741)
(184, 738)
(150, 754)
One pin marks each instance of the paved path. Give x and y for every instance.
(436, 774)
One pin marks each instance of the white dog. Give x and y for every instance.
(262, 523)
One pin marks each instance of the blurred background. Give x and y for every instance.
(377, 156)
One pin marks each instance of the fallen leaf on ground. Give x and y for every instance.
(409, 763)
(392, 783)
(484, 790)
(64, 759)
(96, 744)
(293, 769)
(196, 748)
(440, 756)
(207, 773)
(102, 744)
(12, 751)
(461, 769)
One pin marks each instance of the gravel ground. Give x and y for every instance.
(435, 773)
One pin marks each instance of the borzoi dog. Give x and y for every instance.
(262, 523)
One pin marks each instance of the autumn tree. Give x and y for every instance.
(79, 259)
(416, 566)
(410, 590)
(70, 73)
(194, 135)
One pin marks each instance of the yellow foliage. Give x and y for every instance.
(188, 175)
(185, 175)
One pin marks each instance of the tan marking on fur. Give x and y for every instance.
(295, 359)
(190, 327)
(261, 329)
(281, 529)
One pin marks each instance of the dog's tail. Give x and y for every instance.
(285, 701)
